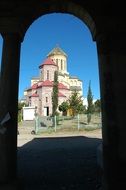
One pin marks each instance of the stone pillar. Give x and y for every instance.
(9, 80)
(112, 67)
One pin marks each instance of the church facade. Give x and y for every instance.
(39, 94)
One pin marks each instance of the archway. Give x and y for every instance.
(44, 43)
(11, 52)
(108, 31)
(12, 43)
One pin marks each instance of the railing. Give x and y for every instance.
(67, 123)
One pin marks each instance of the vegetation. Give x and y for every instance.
(20, 106)
(76, 103)
(55, 94)
(90, 107)
(97, 106)
(64, 107)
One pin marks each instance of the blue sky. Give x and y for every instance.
(73, 36)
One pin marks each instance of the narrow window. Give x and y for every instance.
(46, 99)
(57, 61)
(47, 74)
(61, 64)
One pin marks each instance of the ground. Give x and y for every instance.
(60, 161)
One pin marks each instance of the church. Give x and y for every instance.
(39, 94)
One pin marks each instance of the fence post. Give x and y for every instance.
(55, 122)
(36, 123)
(78, 119)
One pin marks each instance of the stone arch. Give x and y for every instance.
(15, 18)
(13, 33)
(59, 7)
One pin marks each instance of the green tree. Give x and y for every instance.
(97, 106)
(76, 103)
(90, 107)
(64, 107)
(55, 94)
(20, 106)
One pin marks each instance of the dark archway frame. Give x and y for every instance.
(109, 32)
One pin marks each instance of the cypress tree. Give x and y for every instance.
(90, 107)
(55, 94)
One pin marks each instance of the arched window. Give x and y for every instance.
(61, 64)
(47, 74)
(46, 99)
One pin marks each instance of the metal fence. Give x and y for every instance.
(67, 123)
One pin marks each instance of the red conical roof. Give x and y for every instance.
(48, 61)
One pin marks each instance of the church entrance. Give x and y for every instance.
(46, 111)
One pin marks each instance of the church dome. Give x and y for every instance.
(56, 51)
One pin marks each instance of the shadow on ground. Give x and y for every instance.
(60, 163)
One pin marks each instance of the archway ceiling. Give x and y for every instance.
(107, 17)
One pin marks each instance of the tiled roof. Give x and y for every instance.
(48, 61)
(62, 86)
(61, 95)
(50, 83)
(75, 88)
(39, 84)
(73, 77)
(47, 83)
(34, 95)
(34, 86)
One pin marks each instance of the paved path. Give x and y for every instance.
(58, 163)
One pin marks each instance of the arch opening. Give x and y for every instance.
(32, 64)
